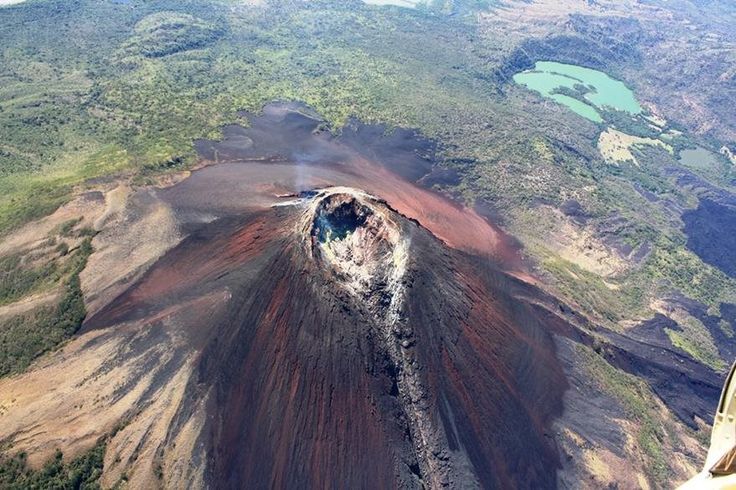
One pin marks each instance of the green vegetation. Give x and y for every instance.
(26, 273)
(590, 291)
(683, 271)
(25, 337)
(654, 435)
(165, 33)
(696, 341)
(82, 473)
(136, 89)
(17, 281)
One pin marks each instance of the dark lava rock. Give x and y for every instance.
(711, 232)
(311, 387)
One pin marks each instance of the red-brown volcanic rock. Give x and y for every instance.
(296, 334)
(284, 148)
(303, 334)
(411, 365)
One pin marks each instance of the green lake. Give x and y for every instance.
(698, 158)
(601, 90)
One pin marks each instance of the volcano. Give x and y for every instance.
(298, 313)
(351, 347)
(327, 341)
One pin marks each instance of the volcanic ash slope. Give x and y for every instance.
(326, 341)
